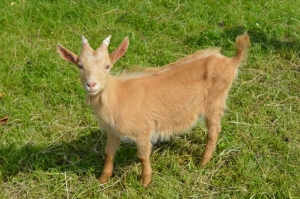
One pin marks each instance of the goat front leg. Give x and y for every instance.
(143, 152)
(213, 130)
(110, 150)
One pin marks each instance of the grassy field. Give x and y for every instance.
(51, 146)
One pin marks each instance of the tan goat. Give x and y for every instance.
(158, 103)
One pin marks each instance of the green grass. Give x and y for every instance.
(51, 146)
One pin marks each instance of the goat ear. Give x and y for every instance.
(120, 51)
(67, 54)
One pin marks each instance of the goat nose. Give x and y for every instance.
(91, 84)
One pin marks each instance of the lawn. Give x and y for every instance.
(51, 146)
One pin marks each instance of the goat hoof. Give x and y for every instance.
(146, 180)
(204, 162)
(103, 178)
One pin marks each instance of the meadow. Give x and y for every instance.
(51, 145)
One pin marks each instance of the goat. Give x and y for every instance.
(157, 103)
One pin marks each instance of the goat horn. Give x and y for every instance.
(106, 41)
(84, 41)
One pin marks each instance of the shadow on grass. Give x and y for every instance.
(257, 36)
(86, 154)
(286, 48)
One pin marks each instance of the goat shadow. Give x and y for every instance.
(85, 154)
(283, 47)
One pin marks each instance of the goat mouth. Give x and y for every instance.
(93, 92)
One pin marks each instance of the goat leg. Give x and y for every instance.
(110, 150)
(214, 128)
(144, 151)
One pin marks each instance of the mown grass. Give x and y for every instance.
(51, 146)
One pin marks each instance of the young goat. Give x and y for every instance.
(158, 103)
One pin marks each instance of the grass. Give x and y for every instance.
(51, 146)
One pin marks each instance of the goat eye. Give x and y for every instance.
(80, 66)
(107, 67)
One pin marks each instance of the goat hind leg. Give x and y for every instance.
(110, 150)
(214, 128)
(144, 150)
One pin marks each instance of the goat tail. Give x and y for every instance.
(242, 42)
